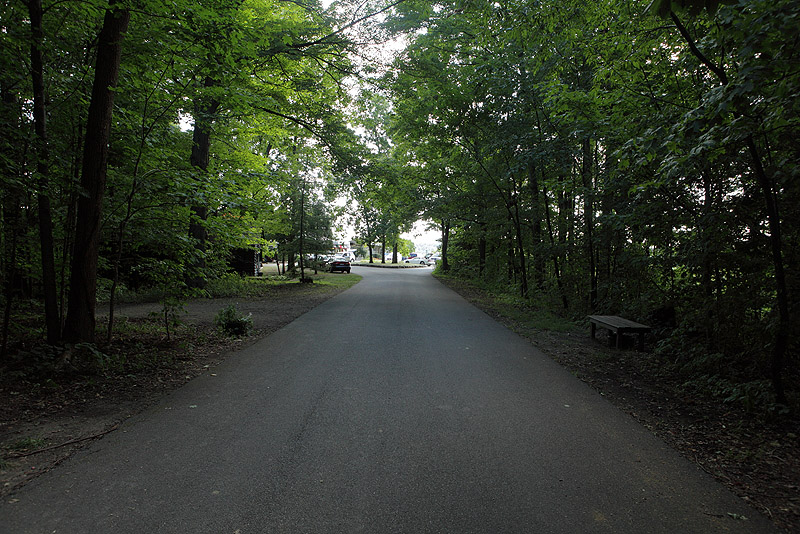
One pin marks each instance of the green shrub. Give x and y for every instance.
(234, 323)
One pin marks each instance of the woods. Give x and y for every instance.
(140, 144)
(620, 158)
(617, 157)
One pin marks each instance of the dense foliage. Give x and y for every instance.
(621, 156)
(142, 142)
(602, 158)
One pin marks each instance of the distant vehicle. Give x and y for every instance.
(416, 259)
(350, 256)
(339, 263)
(433, 259)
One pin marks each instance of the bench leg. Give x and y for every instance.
(640, 342)
(612, 338)
(594, 329)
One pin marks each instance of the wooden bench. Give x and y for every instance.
(617, 326)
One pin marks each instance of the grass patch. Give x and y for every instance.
(233, 285)
(26, 444)
(526, 316)
(336, 280)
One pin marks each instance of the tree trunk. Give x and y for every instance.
(383, 249)
(523, 268)
(482, 251)
(588, 212)
(11, 228)
(10, 197)
(445, 240)
(536, 227)
(52, 321)
(556, 267)
(80, 321)
(204, 115)
(67, 244)
(302, 231)
(782, 294)
(767, 184)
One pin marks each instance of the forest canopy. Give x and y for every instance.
(625, 157)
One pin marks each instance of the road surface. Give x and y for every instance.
(395, 407)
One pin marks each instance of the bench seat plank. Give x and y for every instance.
(618, 326)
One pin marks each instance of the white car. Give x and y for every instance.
(417, 260)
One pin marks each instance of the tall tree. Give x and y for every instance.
(80, 319)
(52, 320)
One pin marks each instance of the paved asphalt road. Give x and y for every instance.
(394, 407)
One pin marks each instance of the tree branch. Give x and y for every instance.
(719, 71)
(346, 26)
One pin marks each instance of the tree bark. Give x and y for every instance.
(536, 227)
(11, 202)
(782, 294)
(588, 213)
(80, 322)
(52, 320)
(556, 267)
(482, 251)
(523, 267)
(445, 240)
(205, 114)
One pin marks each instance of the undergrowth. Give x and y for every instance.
(739, 382)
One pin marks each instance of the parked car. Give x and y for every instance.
(432, 260)
(339, 263)
(416, 259)
(349, 256)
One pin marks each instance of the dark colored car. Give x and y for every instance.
(339, 264)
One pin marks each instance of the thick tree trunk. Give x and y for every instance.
(383, 249)
(52, 321)
(80, 321)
